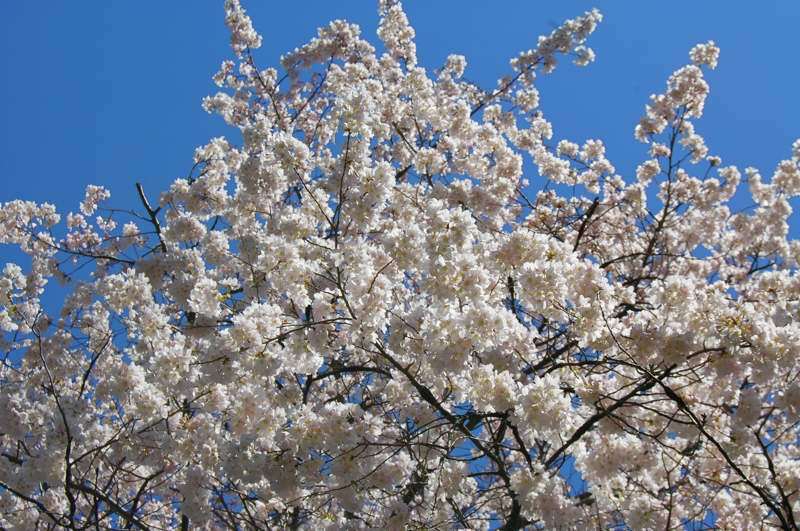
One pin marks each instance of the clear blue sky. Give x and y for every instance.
(109, 92)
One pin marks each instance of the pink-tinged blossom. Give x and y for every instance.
(705, 54)
(243, 36)
(94, 195)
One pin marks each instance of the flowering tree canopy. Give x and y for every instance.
(364, 317)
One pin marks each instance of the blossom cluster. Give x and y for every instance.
(362, 317)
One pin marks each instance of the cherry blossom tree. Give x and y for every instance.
(363, 317)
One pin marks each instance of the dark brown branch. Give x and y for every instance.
(153, 215)
(768, 501)
(585, 223)
(603, 412)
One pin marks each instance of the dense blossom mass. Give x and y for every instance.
(404, 302)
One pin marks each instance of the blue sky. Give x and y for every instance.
(109, 92)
